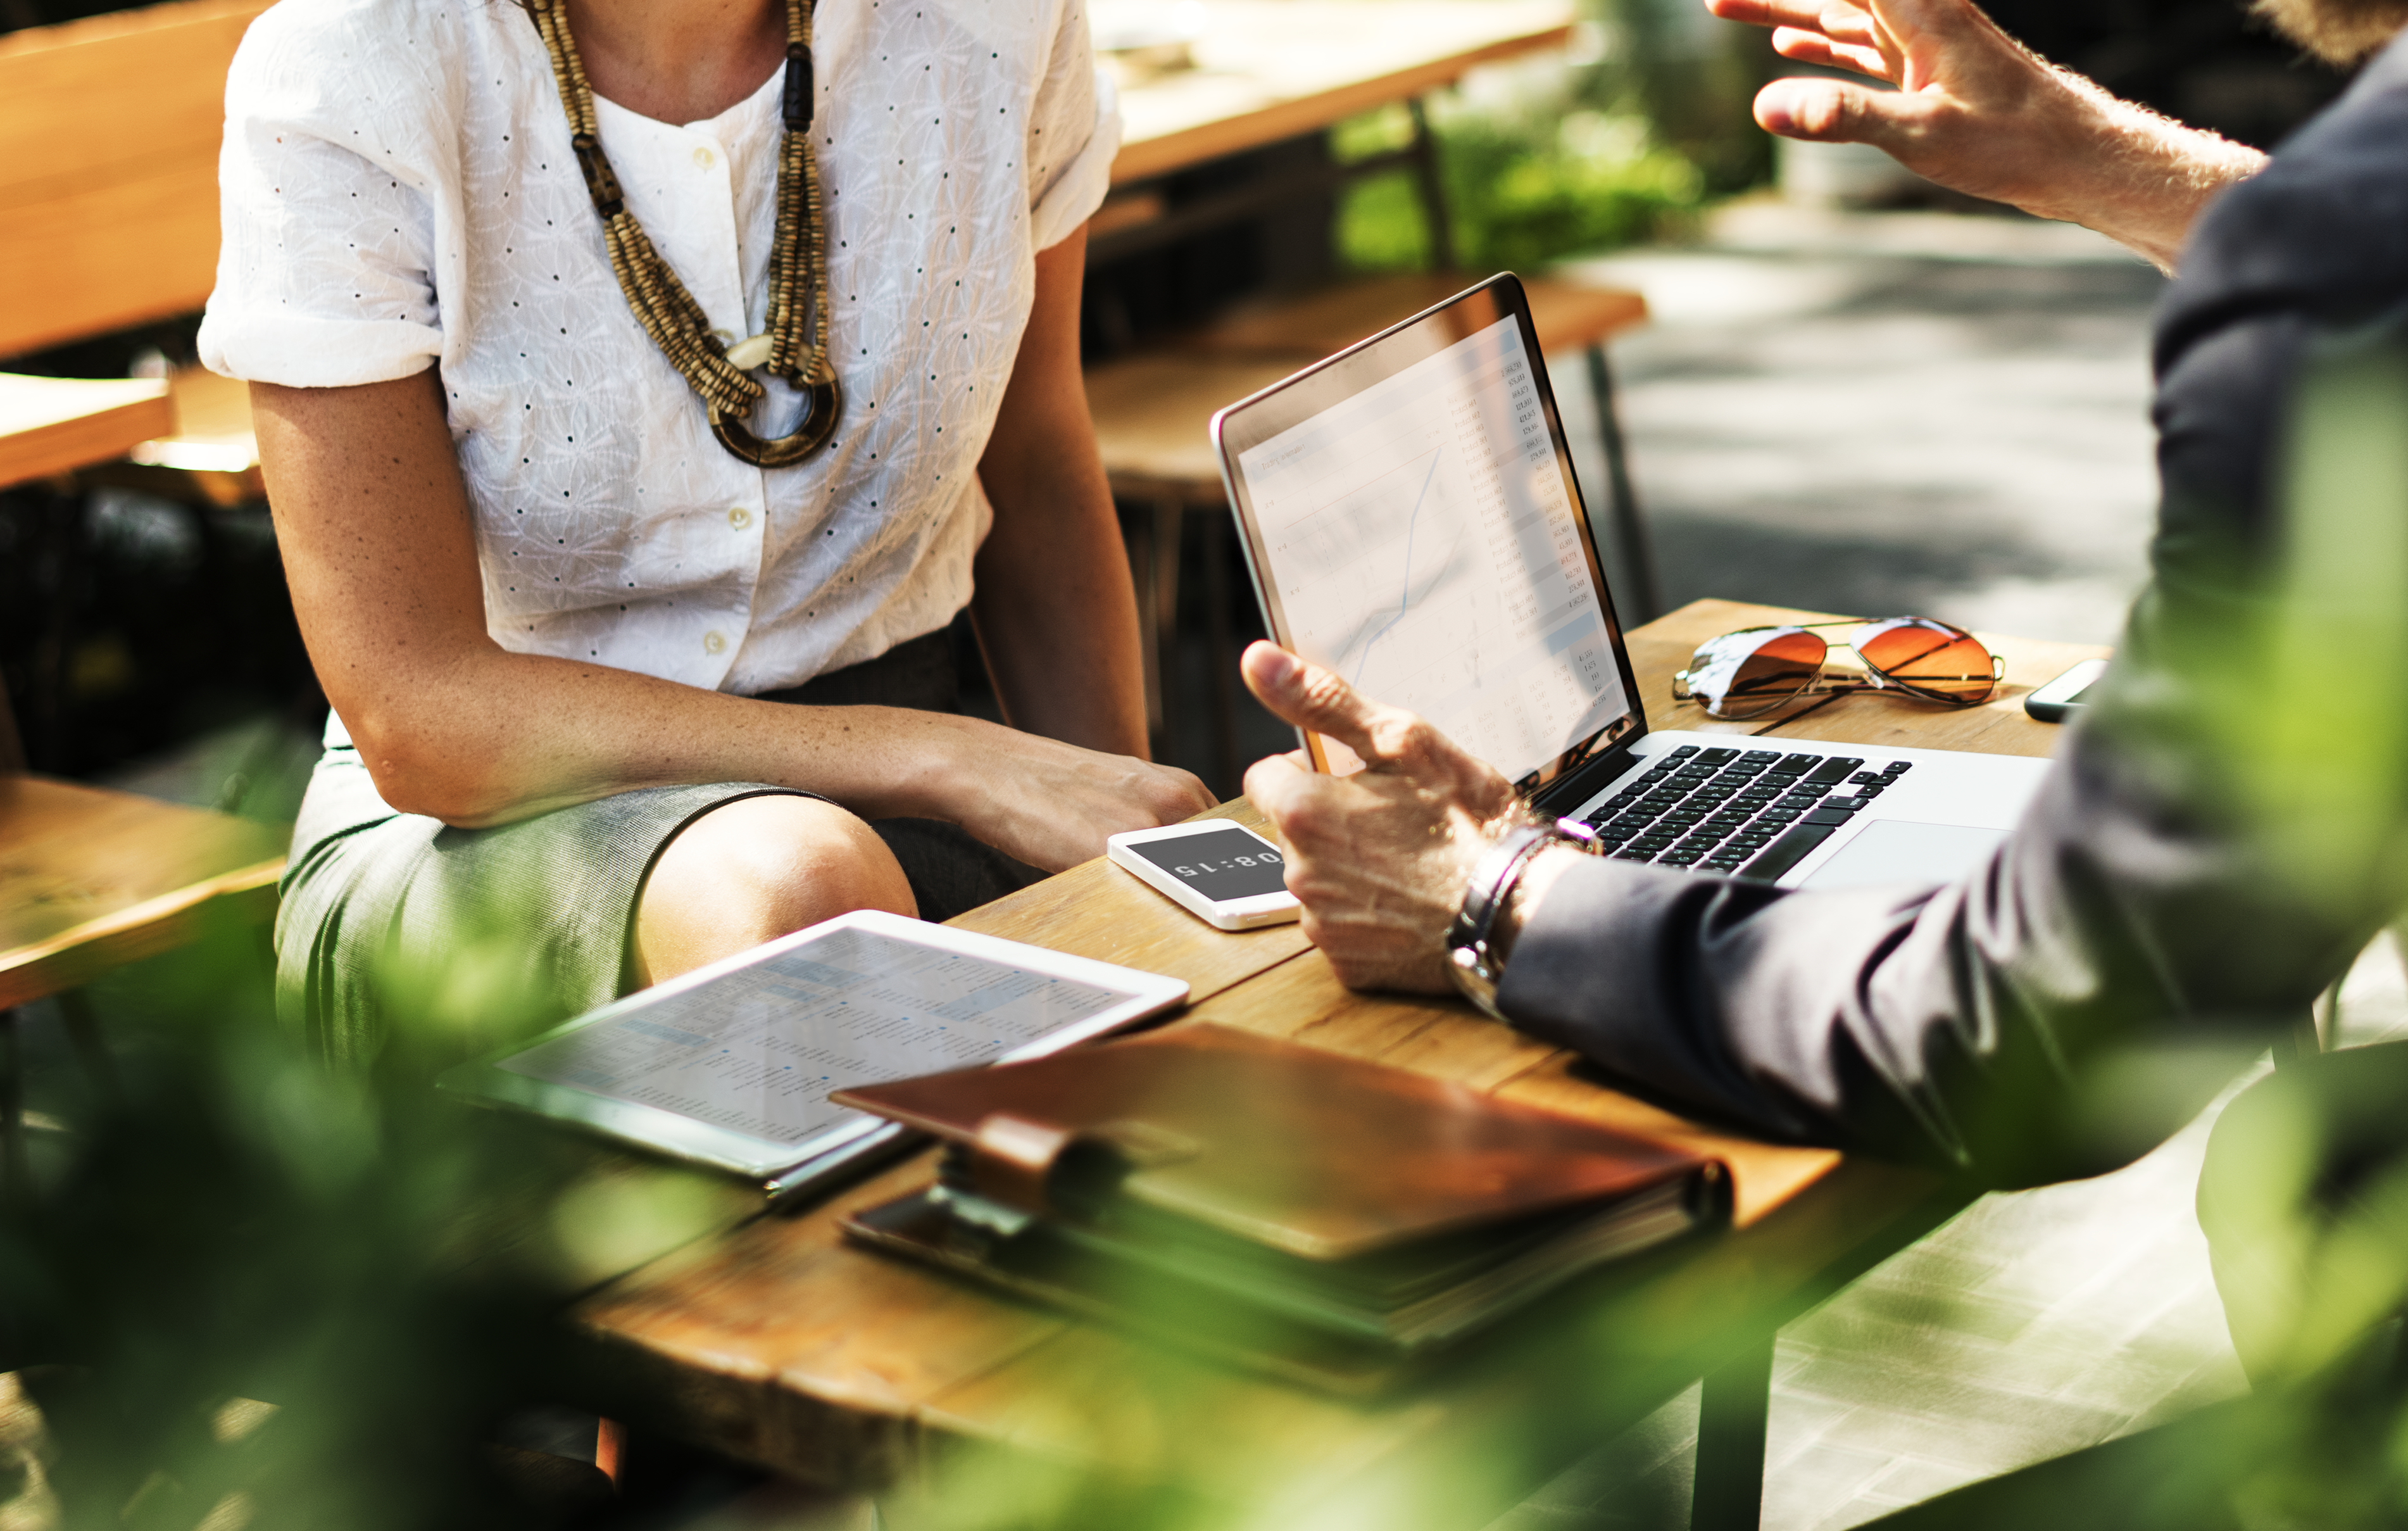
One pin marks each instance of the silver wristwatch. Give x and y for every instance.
(1470, 961)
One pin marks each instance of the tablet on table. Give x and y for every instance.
(730, 1067)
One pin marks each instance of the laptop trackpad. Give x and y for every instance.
(1896, 850)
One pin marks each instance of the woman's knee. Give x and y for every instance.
(754, 869)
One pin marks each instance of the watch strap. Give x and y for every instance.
(1469, 962)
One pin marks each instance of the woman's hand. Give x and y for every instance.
(1975, 110)
(1052, 804)
(1378, 858)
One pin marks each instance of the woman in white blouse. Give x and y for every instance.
(545, 600)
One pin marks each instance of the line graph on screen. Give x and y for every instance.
(1405, 590)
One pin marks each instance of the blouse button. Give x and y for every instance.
(713, 643)
(704, 159)
(740, 518)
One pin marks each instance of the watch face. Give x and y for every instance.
(1223, 865)
(1473, 979)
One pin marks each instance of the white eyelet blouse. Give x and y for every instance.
(398, 186)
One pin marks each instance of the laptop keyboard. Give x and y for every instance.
(1750, 813)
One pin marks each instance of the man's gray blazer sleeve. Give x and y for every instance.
(1985, 1025)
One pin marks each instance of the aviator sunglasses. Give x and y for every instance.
(1751, 672)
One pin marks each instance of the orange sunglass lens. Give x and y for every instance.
(1779, 667)
(1933, 658)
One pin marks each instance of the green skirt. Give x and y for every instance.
(405, 944)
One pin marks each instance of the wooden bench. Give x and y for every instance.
(50, 427)
(108, 218)
(109, 131)
(92, 878)
(109, 200)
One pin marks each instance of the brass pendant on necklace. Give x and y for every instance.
(821, 402)
(797, 264)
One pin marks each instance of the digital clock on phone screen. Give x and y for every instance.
(1223, 865)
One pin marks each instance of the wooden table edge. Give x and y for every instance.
(1144, 159)
(82, 951)
(94, 435)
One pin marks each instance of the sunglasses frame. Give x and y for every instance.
(1822, 683)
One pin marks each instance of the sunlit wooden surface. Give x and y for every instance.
(108, 189)
(1272, 69)
(92, 878)
(1567, 317)
(58, 425)
(780, 1343)
(209, 455)
(1154, 414)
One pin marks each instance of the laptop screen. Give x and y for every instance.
(1412, 523)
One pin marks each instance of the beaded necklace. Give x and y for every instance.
(797, 262)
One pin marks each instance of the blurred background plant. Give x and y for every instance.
(1524, 190)
(238, 1289)
(1646, 122)
(1618, 142)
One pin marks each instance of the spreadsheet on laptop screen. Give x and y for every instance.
(1423, 544)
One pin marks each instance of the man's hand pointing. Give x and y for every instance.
(1378, 858)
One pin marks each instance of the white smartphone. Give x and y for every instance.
(1224, 873)
(2064, 695)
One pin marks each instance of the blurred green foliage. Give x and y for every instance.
(1691, 79)
(1622, 145)
(2262, 693)
(1519, 195)
(245, 1290)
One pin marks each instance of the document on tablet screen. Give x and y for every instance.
(1423, 545)
(757, 1051)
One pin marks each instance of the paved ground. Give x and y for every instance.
(2031, 1325)
(1877, 413)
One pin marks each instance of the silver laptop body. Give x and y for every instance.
(1412, 521)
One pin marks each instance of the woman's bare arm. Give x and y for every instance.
(374, 523)
(1056, 613)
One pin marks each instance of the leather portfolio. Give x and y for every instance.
(1322, 1216)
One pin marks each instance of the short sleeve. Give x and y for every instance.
(1074, 133)
(325, 272)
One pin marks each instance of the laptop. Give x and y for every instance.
(1410, 521)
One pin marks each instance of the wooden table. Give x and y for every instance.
(92, 878)
(1267, 70)
(52, 426)
(779, 1343)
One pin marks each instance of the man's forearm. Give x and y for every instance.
(2140, 178)
(1544, 871)
(1966, 105)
